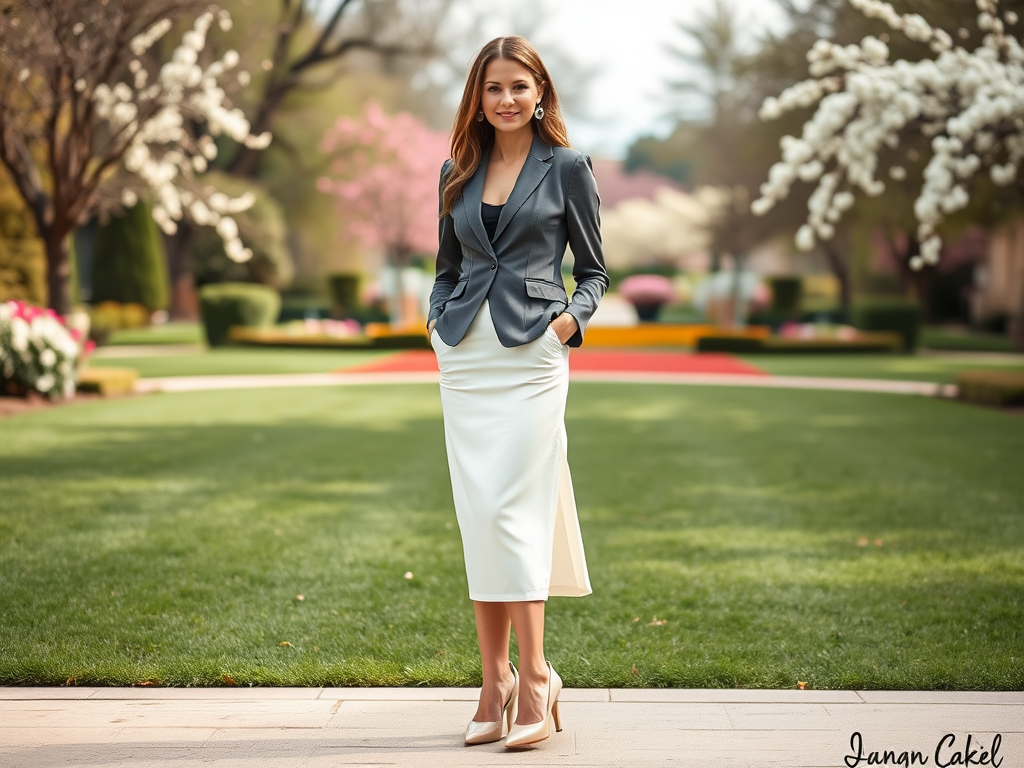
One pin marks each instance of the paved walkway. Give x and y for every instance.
(340, 378)
(310, 727)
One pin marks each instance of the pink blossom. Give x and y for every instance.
(386, 170)
(647, 289)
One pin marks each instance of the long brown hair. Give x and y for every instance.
(470, 136)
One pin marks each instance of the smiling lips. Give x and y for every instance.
(508, 115)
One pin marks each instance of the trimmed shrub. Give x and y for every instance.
(787, 294)
(991, 387)
(129, 263)
(224, 305)
(108, 381)
(344, 293)
(902, 317)
(111, 316)
(733, 344)
(775, 345)
(262, 228)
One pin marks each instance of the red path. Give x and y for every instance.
(588, 361)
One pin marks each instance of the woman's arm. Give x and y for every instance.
(584, 221)
(449, 258)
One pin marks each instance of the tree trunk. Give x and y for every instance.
(739, 306)
(184, 305)
(901, 260)
(1016, 329)
(58, 272)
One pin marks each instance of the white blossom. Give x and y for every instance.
(160, 150)
(971, 102)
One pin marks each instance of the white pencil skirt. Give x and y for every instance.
(504, 425)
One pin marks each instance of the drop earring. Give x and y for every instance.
(480, 116)
(539, 112)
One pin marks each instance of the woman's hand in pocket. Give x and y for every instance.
(564, 326)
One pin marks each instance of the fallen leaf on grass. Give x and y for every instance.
(634, 669)
(147, 683)
(284, 643)
(862, 541)
(228, 680)
(801, 686)
(878, 542)
(636, 619)
(656, 622)
(300, 598)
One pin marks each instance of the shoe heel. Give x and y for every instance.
(513, 708)
(557, 716)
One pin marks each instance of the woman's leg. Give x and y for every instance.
(528, 620)
(492, 632)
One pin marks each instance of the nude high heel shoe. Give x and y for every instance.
(485, 733)
(521, 735)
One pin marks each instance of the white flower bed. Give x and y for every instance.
(37, 351)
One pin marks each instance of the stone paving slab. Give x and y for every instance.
(312, 727)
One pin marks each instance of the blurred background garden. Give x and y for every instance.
(796, 421)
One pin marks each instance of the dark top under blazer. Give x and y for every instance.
(554, 203)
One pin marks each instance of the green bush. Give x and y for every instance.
(776, 345)
(224, 305)
(22, 254)
(262, 228)
(902, 317)
(736, 345)
(991, 387)
(344, 293)
(129, 263)
(111, 316)
(787, 294)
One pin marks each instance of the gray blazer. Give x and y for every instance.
(554, 203)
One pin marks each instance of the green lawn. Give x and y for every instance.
(936, 338)
(247, 360)
(238, 360)
(736, 537)
(940, 368)
(168, 333)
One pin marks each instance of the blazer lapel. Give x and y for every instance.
(472, 195)
(534, 170)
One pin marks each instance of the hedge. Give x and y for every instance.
(787, 294)
(991, 387)
(129, 263)
(344, 293)
(902, 317)
(876, 342)
(224, 305)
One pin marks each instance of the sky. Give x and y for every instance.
(626, 41)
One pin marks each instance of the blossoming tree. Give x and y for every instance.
(90, 118)
(384, 178)
(970, 104)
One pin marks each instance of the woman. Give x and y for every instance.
(513, 196)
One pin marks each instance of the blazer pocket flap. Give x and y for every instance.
(541, 289)
(460, 288)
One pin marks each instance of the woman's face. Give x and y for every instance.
(510, 95)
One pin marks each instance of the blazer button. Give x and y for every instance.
(494, 267)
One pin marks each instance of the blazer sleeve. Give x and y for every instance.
(449, 255)
(583, 218)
